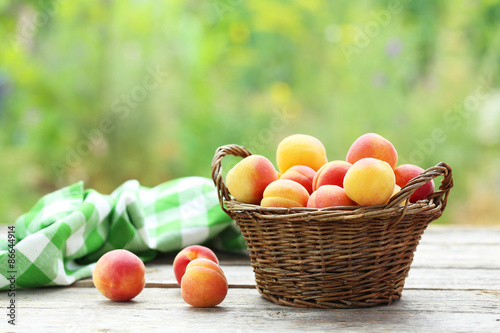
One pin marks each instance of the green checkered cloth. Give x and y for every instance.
(60, 239)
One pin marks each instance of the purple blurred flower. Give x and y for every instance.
(379, 80)
(394, 47)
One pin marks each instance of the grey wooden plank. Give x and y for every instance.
(452, 278)
(427, 255)
(440, 247)
(486, 256)
(419, 278)
(244, 310)
(452, 234)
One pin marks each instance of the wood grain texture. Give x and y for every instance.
(457, 256)
(453, 286)
(244, 310)
(419, 278)
(441, 234)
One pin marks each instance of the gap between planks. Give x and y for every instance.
(88, 283)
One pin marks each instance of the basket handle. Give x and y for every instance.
(232, 149)
(441, 169)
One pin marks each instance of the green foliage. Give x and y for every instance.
(107, 91)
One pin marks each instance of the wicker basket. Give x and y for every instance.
(338, 257)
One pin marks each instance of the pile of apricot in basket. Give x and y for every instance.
(369, 175)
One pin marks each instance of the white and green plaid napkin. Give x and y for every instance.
(67, 231)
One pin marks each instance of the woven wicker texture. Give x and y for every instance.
(338, 257)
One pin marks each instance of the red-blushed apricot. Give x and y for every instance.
(405, 172)
(301, 174)
(203, 284)
(300, 149)
(204, 262)
(285, 193)
(119, 275)
(188, 254)
(332, 173)
(247, 180)
(329, 196)
(369, 181)
(375, 146)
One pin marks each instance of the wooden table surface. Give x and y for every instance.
(453, 286)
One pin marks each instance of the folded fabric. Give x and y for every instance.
(60, 239)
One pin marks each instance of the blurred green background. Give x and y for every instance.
(106, 91)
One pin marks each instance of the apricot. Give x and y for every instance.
(329, 196)
(375, 146)
(188, 254)
(405, 172)
(369, 181)
(397, 188)
(285, 193)
(301, 174)
(300, 149)
(119, 275)
(247, 180)
(332, 173)
(204, 284)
